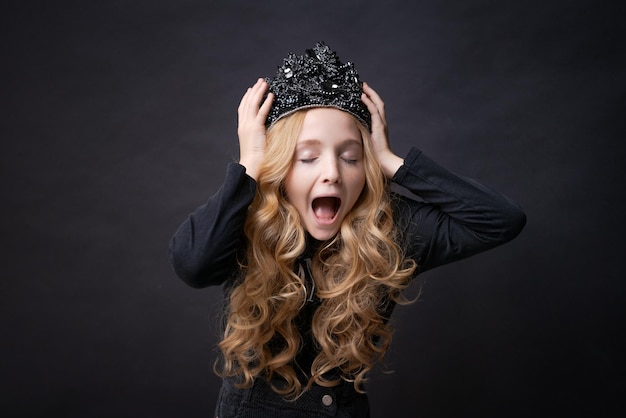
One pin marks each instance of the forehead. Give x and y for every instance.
(328, 124)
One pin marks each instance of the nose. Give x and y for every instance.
(330, 171)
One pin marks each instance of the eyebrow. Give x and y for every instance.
(310, 142)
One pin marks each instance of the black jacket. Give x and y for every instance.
(453, 217)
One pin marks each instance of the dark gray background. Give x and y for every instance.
(119, 118)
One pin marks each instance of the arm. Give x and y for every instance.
(459, 217)
(204, 249)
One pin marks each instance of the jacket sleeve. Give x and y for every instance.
(455, 217)
(204, 249)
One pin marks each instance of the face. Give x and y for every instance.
(328, 172)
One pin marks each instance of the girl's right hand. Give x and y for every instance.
(251, 127)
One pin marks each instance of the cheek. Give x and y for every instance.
(293, 187)
(357, 184)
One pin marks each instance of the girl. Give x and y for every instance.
(312, 247)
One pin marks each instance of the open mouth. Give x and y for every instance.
(326, 208)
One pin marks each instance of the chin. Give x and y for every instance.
(322, 235)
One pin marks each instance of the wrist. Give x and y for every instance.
(390, 163)
(252, 167)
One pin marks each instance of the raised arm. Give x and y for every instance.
(205, 247)
(203, 251)
(458, 216)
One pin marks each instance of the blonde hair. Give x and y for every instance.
(354, 273)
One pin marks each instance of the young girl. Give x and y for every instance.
(312, 247)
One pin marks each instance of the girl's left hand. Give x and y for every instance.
(380, 133)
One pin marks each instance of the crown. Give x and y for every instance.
(316, 79)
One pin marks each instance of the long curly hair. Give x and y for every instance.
(356, 273)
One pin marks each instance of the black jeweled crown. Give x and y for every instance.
(316, 79)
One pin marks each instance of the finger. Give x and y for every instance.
(243, 101)
(250, 101)
(374, 110)
(257, 92)
(371, 93)
(266, 106)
